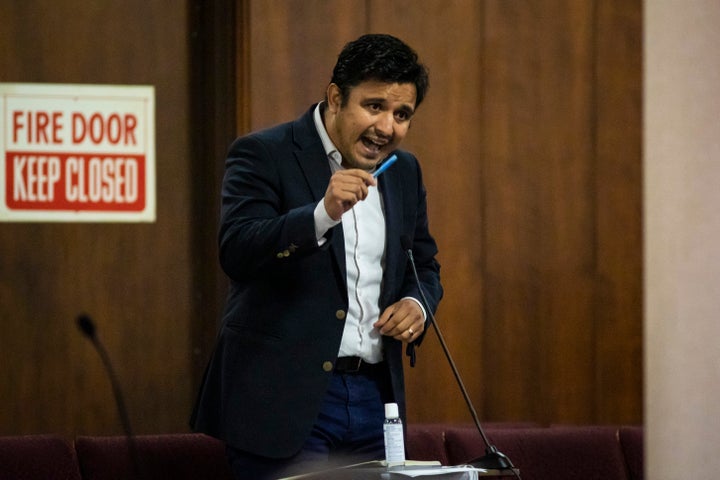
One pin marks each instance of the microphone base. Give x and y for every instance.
(493, 460)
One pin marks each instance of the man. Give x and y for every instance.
(322, 295)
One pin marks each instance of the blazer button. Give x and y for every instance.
(340, 314)
(328, 366)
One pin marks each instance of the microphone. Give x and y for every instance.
(493, 459)
(87, 327)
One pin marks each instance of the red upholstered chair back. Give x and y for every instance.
(32, 457)
(426, 442)
(631, 441)
(169, 456)
(557, 453)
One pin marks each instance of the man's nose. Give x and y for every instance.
(385, 124)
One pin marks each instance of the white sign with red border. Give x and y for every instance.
(77, 153)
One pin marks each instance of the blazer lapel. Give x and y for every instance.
(310, 154)
(314, 163)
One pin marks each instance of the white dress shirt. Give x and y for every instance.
(364, 232)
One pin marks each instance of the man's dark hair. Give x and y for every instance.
(382, 58)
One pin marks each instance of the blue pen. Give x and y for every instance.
(386, 164)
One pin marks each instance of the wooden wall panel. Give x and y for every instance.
(134, 279)
(539, 209)
(291, 49)
(619, 182)
(214, 118)
(569, 97)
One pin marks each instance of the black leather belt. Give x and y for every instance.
(356, 365)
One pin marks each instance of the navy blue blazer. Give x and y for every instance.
(285, 311)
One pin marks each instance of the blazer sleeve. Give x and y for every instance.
(259, 224)
(424, 250)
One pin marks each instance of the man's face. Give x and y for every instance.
(372, 123)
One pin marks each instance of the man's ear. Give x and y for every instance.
(334, 97)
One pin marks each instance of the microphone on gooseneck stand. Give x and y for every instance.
(493, 459)
(87, 327)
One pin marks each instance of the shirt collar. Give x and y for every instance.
(330, 149)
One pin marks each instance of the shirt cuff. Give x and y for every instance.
(323, 223)
(419, 304)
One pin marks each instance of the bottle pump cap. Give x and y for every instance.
(391, 410)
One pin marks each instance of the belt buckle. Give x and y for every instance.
(356, 368)
(349, 364)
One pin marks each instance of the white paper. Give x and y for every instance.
(472, 473)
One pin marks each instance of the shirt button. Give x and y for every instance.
(328, 366)
(340, 314)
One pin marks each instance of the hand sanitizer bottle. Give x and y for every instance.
(393, 430)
